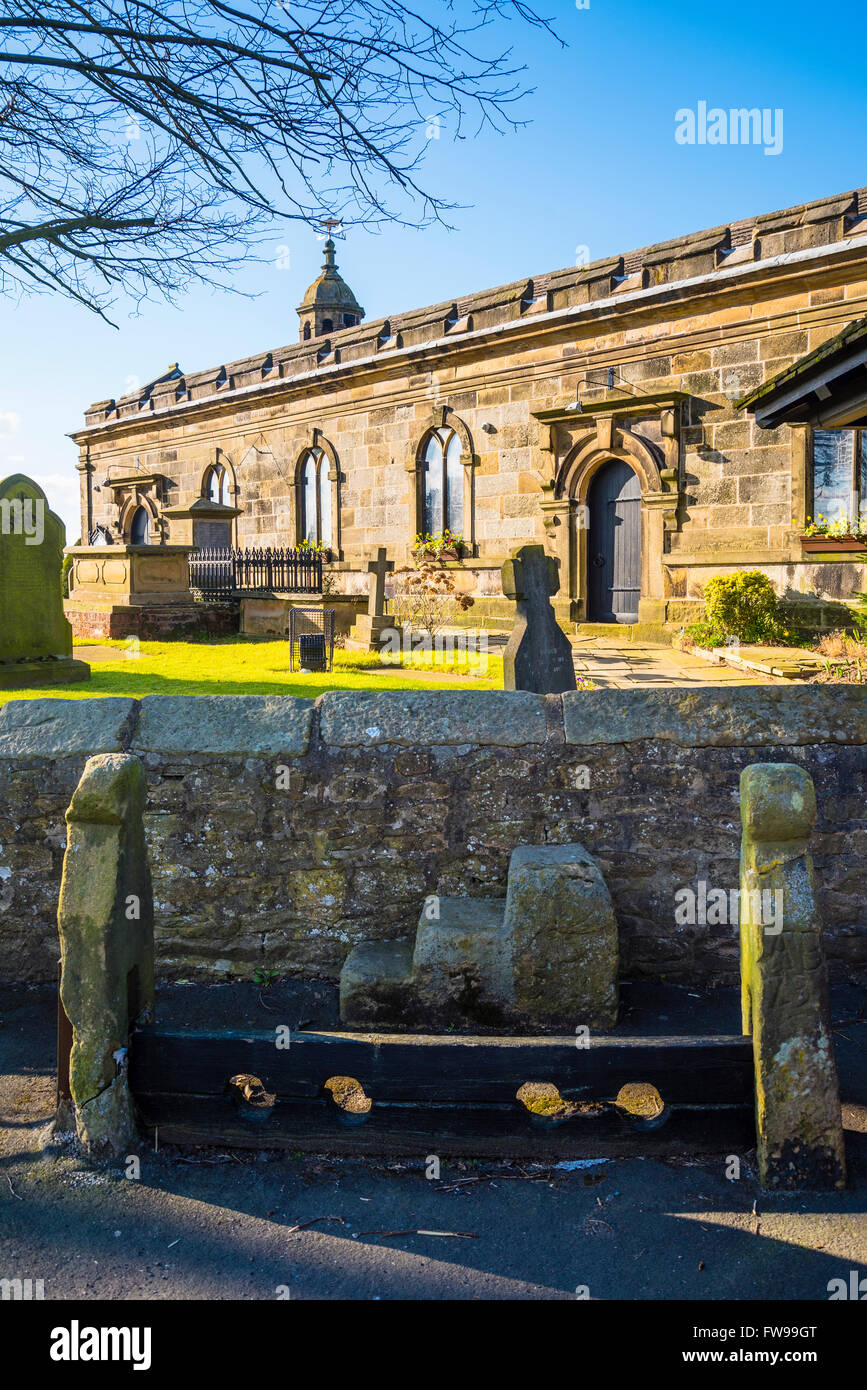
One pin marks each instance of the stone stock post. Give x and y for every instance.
(784, 987)
(105, 918)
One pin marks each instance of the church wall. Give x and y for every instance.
(741, 496)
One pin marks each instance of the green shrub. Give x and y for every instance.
(64, 575)
(744, 605)
(706, 635)
(859, 616)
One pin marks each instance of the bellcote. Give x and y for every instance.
(329, 304)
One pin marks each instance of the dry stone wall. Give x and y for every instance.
(282, 832)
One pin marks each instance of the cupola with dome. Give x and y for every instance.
(329, 304)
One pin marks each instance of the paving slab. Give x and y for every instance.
(616, 663)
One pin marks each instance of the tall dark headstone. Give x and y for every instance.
(539, 655)
(35, 637)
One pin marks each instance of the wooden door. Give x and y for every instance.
(614, 551)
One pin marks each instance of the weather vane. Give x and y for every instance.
(331, 227)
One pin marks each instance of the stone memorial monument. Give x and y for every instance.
(538, 656)
(35, 637)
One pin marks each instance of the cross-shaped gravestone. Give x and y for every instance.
(368, 627)
(378, 568)
(539, 655)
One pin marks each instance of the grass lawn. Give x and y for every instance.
(254, 666)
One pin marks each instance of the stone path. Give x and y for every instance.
(616, 662)
(625, 665)
(97, 654)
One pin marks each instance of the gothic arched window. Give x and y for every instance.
(140, 527)
(315, 498)
(215, 485)
(443, 496)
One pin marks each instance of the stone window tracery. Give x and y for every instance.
(443, 487)
(216, 485)
(314, 495)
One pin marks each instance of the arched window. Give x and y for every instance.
(140, 527)
(306, 331)
(327, 325)
(443, 505)
(315, 498)
(215, 485)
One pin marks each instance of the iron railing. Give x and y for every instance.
(281, 571)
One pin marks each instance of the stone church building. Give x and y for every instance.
(594, 409)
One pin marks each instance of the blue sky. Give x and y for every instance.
(597, 166)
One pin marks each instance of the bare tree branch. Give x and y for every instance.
(144, 145)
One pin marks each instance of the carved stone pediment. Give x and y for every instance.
(643, 430)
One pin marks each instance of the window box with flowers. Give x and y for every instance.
(843, 536)
(838, 484)
(315, 548)
(441, 545)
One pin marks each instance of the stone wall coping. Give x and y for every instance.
(111, 552)
(366, 719)
(251, 724)
(64, 728)
(752, 716)
(277, 725)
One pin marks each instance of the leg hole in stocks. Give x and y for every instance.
(353, 1106)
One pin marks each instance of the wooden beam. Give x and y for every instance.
(462, 1132)
(452, 1070)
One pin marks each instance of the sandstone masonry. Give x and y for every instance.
(636, 358)
(284, 832)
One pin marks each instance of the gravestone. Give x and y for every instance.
(369, 626)
(35, 636)
(538, 656)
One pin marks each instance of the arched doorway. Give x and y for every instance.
(140, 527)
(614, 551)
